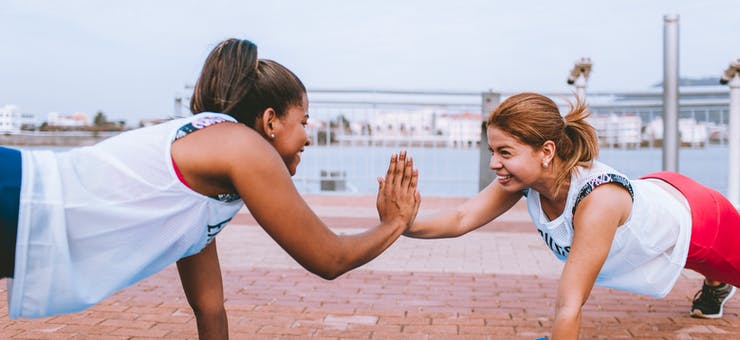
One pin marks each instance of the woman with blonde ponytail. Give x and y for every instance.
(633, 235)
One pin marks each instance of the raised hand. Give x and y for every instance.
(398, 197)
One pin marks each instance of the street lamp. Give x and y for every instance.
(731, 72)
(579, 75)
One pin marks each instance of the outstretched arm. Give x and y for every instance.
(261, 178)
(484, 207)
(200, 275)
(595, 222)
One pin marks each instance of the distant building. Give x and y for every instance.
(152, 121)
(11, 120)
(454, 129)
(69, 121)
(404, 123)
(461, 129)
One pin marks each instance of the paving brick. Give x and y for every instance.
(498, 331)
(139, 324)
(9, 333)
(461, 321)
(431, 329)
(275, 330)
(168, 318)
(132, 332)
(87, 330)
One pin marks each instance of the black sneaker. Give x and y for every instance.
(709, 301)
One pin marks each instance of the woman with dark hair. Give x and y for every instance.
(79, 225)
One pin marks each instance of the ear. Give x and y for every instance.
(266, 122)
(548, 151)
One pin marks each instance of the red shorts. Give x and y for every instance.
(714, 250)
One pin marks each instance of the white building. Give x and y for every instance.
(624, 131)
(458, 129)
(404, 123)
(690, 132)
(74, 120)
(461, 129)
(11, 120)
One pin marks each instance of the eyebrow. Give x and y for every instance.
(500, 147)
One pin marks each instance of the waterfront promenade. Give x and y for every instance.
(498, 282)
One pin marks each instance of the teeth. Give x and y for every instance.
(504, 177)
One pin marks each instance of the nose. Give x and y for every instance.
(494, 163)
(308, 142)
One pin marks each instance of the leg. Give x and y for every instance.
(711, 283)
(713, 251)
(710, 301)
(10, 184)
(715, 255)
(200, 275)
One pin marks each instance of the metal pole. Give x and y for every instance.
(733, 181)
(581, 87)
(670, 93)
(490, 101)
(178, 107)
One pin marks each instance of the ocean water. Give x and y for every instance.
(446, 171)
(442, 171)
(708, 165)
(454, 171)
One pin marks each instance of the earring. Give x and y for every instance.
(272, 135)
(545, 164)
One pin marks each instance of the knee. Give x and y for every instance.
(208, 309)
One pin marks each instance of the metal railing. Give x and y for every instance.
(354, 132)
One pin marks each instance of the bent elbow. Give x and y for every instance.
(330, 273)
(331, 269)
(329, 276)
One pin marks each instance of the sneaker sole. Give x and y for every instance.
(698, 314)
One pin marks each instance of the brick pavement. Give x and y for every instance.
(498, 282)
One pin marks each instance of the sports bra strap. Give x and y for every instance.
(593, 183)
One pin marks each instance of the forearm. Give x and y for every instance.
(375, 241)
(567, 323)
(355, 250)
(441, 225)
(474, 213)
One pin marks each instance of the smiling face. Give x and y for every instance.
(517, 165)
(290, 135)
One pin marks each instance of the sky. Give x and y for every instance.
(131, 58)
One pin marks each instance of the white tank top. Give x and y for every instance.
(97, 219)
(649, 250)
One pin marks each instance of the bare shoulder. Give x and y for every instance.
(607, 200)
(220, 150)
(614, 192)
(225, 132)
(224, 140)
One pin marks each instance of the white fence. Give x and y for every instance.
(354, 132)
